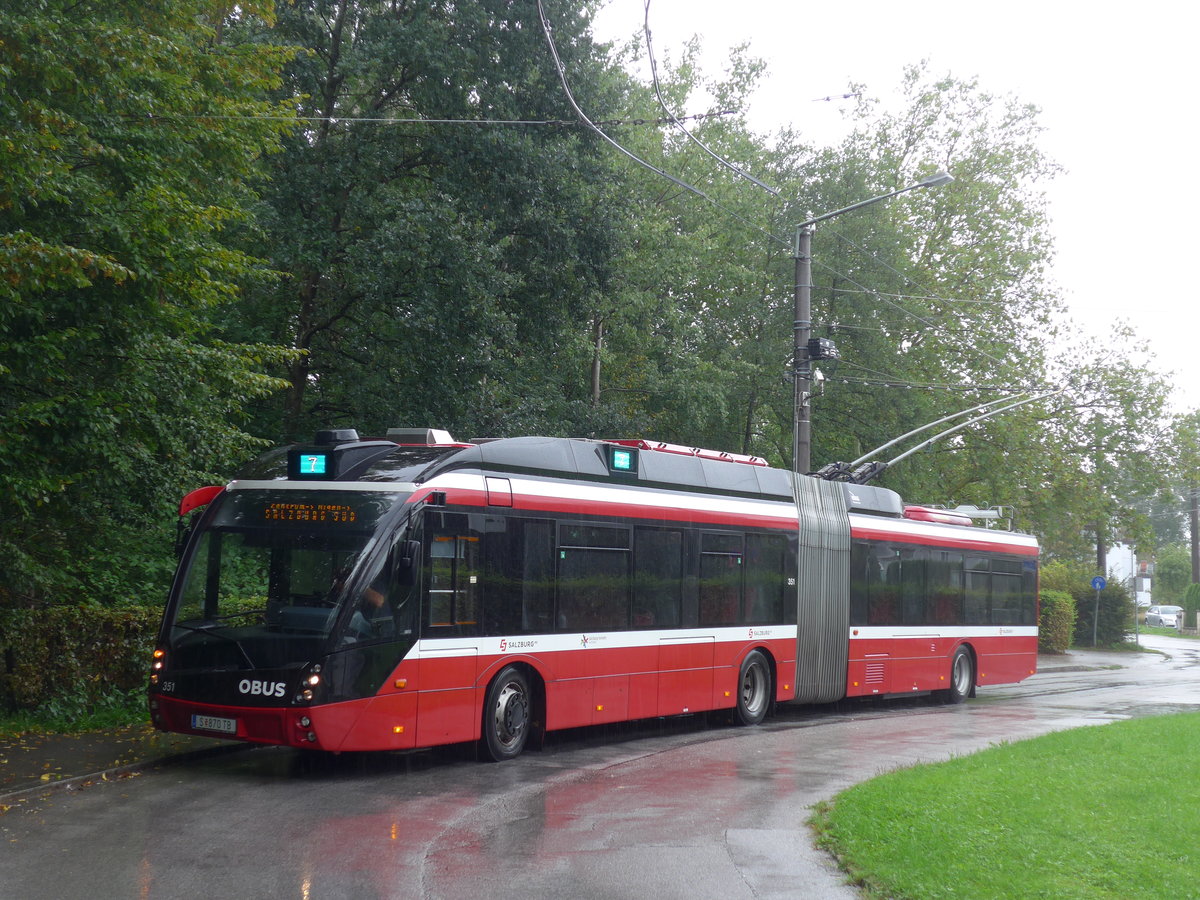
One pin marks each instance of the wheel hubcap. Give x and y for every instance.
(753, 690)
(512, 712)
(962, 674)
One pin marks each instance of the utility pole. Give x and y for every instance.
(801, 358)
(1194, 502)
(802, 354)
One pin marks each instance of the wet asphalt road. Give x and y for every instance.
(669, 809)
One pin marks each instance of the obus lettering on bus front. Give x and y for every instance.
(257, 688)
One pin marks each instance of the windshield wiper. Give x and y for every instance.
(209, 626)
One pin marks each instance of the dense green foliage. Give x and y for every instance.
(1056, 623)
(222, 227)
(1068, 815)
(74, 658)
(128, 145)
(1112, 613)
(1104, 620)
(1172, 574)
(1191, 605)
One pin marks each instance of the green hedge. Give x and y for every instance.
(81, 653)
(1191, 604)
(1057, 623)
(1115, 616)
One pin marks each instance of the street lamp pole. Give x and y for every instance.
(802, 358)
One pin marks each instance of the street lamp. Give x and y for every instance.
(802, 353)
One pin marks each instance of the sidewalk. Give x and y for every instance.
(35, 762)
(1085, 659)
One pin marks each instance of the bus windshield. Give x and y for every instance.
(267, 580)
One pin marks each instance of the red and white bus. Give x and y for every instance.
(388, 594)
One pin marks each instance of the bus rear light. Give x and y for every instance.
(313, 680)
(304, 696)
(305, 721)
(312, 737)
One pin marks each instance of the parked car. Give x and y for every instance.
(1164, 615)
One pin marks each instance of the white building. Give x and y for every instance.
(1124, 567)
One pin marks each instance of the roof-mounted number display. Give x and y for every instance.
(310, 462)
(622, 460)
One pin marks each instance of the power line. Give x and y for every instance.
(385, 120)
(935, 326)
(562, 76)
(838, 290)
(675, 120)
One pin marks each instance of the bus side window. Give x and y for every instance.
(518, 575)
(913, 589)
(657, 577)
(946, 589)
(593, 577)
(861, 559)
(978, 591)
(883, 586)
(536, 577)
(722, 559)
(765, 577)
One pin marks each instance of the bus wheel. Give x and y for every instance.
(754, 690)
(506, 716)
(962, 676)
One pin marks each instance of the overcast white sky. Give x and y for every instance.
(1117, 85)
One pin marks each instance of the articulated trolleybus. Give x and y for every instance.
(391, 594)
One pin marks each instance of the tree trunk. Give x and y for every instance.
(597, 347)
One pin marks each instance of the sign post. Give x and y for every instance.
(1098, 584)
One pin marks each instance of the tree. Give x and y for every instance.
(1184, 473)
(1172, 574)
(435, 251)
(130, 133)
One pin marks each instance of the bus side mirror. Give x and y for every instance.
(408, 560)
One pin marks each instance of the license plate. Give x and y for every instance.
(215, 723)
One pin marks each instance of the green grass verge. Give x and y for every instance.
(1100, 812)
(1165, 632)
(71, 715)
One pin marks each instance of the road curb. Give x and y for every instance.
(114, 773)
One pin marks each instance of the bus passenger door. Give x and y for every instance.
(448, 699)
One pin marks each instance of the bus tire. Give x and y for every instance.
(753, 690)
(962, 676)
(507, 715)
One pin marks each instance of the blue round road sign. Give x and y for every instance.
(1098, 583)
